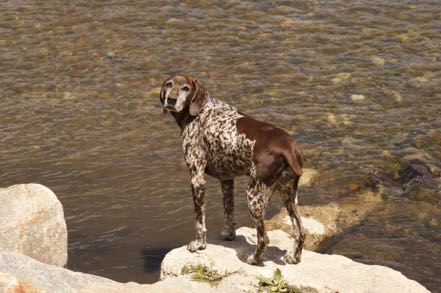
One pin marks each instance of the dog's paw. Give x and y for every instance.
(290, 259)
(251, 259)
(196, 245)
(228, 235)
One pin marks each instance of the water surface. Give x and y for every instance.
(79, 113)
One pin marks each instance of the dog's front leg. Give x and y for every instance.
(228, 233)
(198, 190)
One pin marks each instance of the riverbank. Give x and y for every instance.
(23, 267)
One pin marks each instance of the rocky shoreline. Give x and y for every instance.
(33, 252)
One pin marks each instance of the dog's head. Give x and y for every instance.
(182, 93)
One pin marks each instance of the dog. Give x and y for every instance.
(223, 142)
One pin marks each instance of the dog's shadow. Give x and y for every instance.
(245, 246)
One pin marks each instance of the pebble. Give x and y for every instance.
(377, 61)
(340, 77)
(357, 97)
(68, 96)
(331, 118)
(398, 97)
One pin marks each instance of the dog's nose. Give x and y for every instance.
(171, 101)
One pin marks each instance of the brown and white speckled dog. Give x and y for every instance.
(220, 141)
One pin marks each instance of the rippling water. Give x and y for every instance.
(79, 84)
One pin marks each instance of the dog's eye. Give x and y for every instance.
(185, 88)
(168, 84)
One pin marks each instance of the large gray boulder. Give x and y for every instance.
(316, 272)
(19, 273)
(32, 223)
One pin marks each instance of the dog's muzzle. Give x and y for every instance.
(170, 102)
(169, 105)
(169, 108)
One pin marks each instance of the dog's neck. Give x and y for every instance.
(184, 118)
(208, 100)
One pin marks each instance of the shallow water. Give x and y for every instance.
(80, 114)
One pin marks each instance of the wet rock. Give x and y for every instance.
(433, 165)
(315, 273)
(341, 119)
(377, 61)
(308, 176)
(327, 221)
(331, 118)
(385, 179)
(358, 97)
(341, 77)
(403, 38)
(397, 96)
(32, 223)
(68, 96)
(414, 171)
(411, 173)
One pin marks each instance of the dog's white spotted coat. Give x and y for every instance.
(213, 145)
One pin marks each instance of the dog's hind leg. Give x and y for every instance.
(257, 198)
(228, 233)
(288, 192)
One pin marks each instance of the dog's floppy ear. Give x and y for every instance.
(162, 96)
(162, 93)
(198, 97)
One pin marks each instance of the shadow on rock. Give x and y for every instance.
(246, 245)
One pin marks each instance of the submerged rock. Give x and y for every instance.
(32, 223)
(377, 60)
(414, 171)
(340, 77)
(315, 273)
(411, 173)
(307, 177)
(324, 222)
(358, 97)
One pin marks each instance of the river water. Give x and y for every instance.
(79, 113)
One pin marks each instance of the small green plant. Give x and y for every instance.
(202, 273)
(276, 284)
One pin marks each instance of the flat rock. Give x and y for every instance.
(32, 223)
(316, 272)
(19, 273)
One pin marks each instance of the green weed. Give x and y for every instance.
(276, 284)
(202, 273)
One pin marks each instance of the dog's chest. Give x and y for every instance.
(228, 153)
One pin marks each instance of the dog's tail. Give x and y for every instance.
(294, 158)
